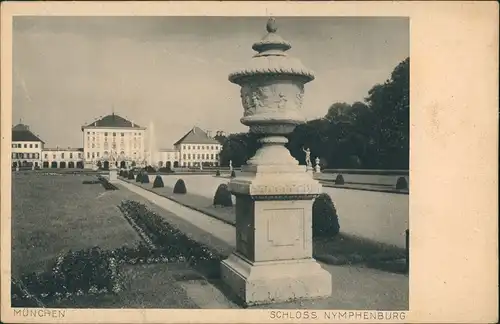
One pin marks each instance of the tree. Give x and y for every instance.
(239, 148)
(390, 104)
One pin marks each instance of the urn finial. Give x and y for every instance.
(271, 25)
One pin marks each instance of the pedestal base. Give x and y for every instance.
(113, 175)
(275, 281)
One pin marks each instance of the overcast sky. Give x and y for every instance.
(68, 71)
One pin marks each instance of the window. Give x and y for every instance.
(189, 156)
(13, 155)
(198, 156)
(184, 156)
(93, 133)
(36, 145)
(93, 156)
(46, 156)
(62, 155)
(105, 133)
(93, 145)
(203, 156)
(212, 156)
(54, 156)
(79, 155)
(123, 134)
(97, 154)
(88, 133)
(14, 145)
(31, 145)
(88, 155)
(114, 134)
(25, 145)
(70, 155)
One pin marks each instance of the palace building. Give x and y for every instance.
(116, 136)
(197, 148)
(113, 134)
(62, 158)
(26, 147)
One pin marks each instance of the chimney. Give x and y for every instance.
(209, 133)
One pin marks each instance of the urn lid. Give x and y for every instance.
(272, 59)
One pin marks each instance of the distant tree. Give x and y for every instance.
(390, 104)
(239, 148)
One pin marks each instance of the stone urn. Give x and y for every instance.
(274, 194)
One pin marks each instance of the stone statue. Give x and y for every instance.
(308, 157)
(230, 165)
(317, 167)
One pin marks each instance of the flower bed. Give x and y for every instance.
(91, 182)
(90, 271)
(171, 244)
(106, 184)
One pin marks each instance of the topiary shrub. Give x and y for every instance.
(217, 173)
(180, 187)
(144, 177)
(222, 196)
(325, 218)
(339, 180)
(150, 169)
(401, 184)
(131, 175)
(125, 174)
(138, 178)
(158, 183)
(233, 174)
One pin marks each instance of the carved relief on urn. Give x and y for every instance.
(272, 87)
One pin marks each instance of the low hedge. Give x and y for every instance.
(222, 196)
(325, 218)
(150, 169)
(180, 187)
(144, 177)
(166, 170)
(401, 183)
(158, 183)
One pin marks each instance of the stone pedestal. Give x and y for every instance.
(273, 258)
(113, 174)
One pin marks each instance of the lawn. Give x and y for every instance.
(339, 250)
(52, 214)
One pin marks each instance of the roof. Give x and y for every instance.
(22, 133)
(196, 136)
(112, 121)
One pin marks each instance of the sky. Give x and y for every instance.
(172, 71)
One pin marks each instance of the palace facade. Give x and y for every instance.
(115, 136)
